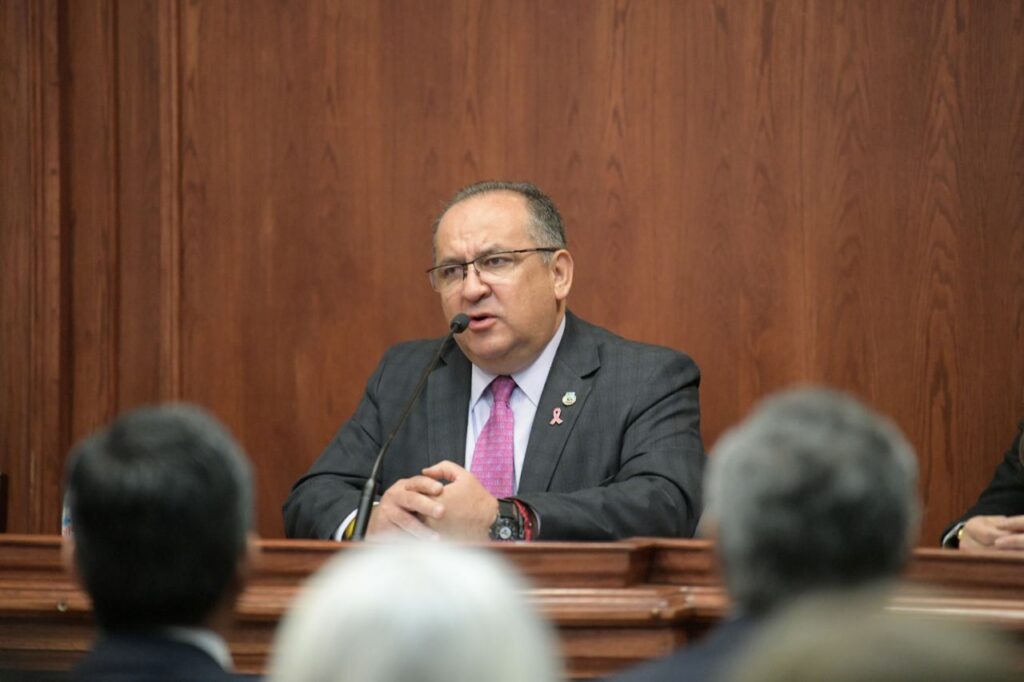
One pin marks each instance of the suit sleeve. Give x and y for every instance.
(1004, 495)
(655, 489)
(330, 490)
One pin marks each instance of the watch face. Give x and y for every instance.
(505, 526)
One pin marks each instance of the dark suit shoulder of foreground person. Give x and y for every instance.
(704, 660)
(151, 658)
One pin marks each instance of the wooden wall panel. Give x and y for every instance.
(90, 126)
(119, 145)
(148, 192)
(15, 257)
(810, 191)
(33, 433)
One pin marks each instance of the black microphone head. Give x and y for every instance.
(459, 323)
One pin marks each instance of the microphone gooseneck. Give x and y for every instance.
(458, 324)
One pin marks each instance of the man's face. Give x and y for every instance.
(510, 321)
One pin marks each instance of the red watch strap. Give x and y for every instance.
(527, 519)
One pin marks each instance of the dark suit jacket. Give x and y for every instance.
(148, 658)
(1004, 496)
(705, 661)
(626, 461)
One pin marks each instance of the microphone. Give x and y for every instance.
(458, 325)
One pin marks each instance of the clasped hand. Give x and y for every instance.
(424, 507)
(993, 533)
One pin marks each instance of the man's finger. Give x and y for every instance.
(981, 532)
(1010, 542)
(416, 503)
(423, 484)
(1011, 524)
(444, 470)
(413, 526)
(401, 520)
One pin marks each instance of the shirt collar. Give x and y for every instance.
(530, 380)
(206, 640)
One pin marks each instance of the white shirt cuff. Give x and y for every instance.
(344, 524)
(951, 535)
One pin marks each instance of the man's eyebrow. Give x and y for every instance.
(489, 251)
(497, 248)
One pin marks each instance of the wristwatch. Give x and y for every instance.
(508, 525)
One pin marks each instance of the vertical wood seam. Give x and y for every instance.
(116, 272)
(171, 261)
(48, 399)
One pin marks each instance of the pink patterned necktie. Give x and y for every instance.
(492, 456)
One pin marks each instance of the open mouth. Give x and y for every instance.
(480, 321)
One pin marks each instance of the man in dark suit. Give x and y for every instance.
(536, 425)
(811, 493)
(996, 521)
(161, 507)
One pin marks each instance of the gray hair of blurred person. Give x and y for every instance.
(430, 612)
(812, 491)
(850, 637)
(546, 227)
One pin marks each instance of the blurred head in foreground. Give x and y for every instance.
(812, 491)
(850, 638)
(161, 507)
(430, 612)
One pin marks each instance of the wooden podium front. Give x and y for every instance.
(615, 604)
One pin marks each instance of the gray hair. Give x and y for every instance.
(545, 226)
(430, 612)
(812, 491)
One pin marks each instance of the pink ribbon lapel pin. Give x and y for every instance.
(556, 416)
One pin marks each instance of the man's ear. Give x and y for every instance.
(247, 560)
(561, 273)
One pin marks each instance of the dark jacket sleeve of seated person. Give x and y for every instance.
(1004, 495)
(626, 459)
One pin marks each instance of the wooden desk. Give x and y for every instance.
(614, 603)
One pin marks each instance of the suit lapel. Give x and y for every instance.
(572, 372)
(448, 407)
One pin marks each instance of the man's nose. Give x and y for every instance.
(474, 288)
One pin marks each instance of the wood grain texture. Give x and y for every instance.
(15, 253)
(148, 194)
(92, 218)
(795, 192)
(33, 405)
(613, 604)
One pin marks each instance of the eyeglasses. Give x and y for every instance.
(491, 268)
